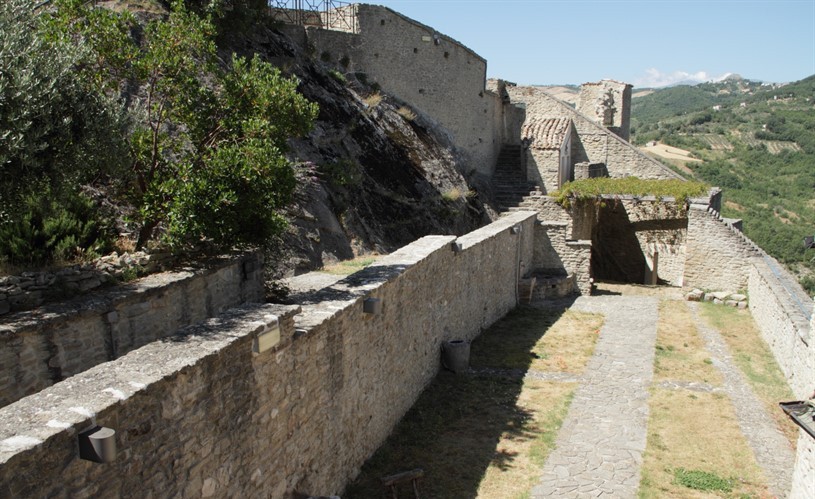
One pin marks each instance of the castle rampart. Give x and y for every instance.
(199, 415)
(41, 347)
(432, 72)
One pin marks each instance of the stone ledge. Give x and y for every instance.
(72, 405)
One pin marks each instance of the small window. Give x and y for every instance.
(415, 50)
(447, 55)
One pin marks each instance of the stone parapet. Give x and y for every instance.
(49, 344)
(199, 414)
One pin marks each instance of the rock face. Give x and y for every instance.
(377, 174)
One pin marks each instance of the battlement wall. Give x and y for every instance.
(199, 414)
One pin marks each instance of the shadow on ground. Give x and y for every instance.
(453, 429)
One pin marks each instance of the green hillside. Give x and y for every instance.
(758, 144)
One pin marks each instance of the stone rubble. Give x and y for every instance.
(30, 290)
(735, 300)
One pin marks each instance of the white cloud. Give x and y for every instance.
(655, 78)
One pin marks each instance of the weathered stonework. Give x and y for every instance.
(608, 103)
(200, 415)
(49, 344)
(590, 142)
(437, 75)
(716, 253)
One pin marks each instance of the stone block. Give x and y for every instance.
(742, 305)
(731, 303)
(717, 301)
(720, 295)
(738, 297)
(695, 295)
(709, 297)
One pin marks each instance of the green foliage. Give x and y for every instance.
(593, 188)
(702, 480)
(207, 142)
(55, 130)
(50, 229)
(762, 157)
(338, 76)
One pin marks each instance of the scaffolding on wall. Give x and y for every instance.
(326, 14)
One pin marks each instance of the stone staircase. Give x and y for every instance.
(509, 181)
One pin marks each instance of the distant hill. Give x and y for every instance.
(757, 142)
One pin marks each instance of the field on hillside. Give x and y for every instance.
(755, 141)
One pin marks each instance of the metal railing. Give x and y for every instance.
(326, 14)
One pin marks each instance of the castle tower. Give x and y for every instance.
(608, 102)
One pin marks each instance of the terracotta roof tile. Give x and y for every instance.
(545, 133)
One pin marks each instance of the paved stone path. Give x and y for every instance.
(771, 448)
(600, 445)
(599, 448)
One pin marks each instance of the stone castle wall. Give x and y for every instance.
(200, 415)
(433, 73)
(608, 103)
(41, 347)
(591, 142)
(780, 308)
(716, 253)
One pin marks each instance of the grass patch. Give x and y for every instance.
(755, 359)
(680, 351)
(473, 436)
(373, 100)
(702, 480)
(348, 267)
(337, 76)
(541, 340)
(593, 188)
(406, 113)
(697, 432)
(488, 435)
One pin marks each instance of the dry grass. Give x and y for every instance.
(681, 353)
(488, 435)
(756, 361)
(699, 432)
(547, 403)
(540, 340)
(406, 113)
(348, 267)
(373, 100)
(472, 436)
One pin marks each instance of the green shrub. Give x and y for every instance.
(56, 130)
(338, 76)
(51, 229)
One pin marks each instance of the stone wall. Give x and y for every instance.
(435, 74)
(56, 341)
(783, 311)
(716, 253)
(786, 319)
(591, 142)
(608, 103)
(200, 415)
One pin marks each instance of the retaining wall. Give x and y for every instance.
(784, 315)
(41, 347)
(198, 415)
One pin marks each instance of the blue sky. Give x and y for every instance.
(647, 43)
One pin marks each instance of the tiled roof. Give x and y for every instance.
(545, 133)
